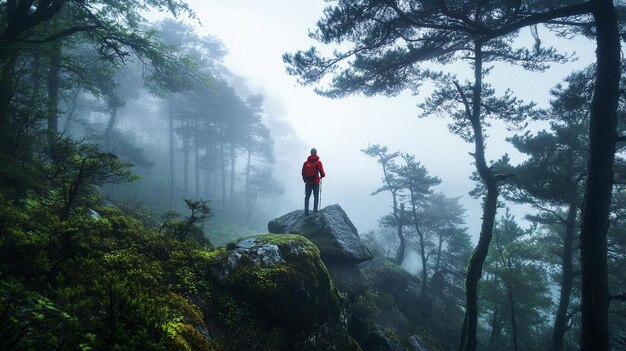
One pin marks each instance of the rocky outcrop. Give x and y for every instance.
(274, 292)
(338, 240)
(330, 229)
(392, 312)
(382, 319)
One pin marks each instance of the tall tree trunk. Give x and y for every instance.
(36, 79)
(248, 187)
(400, 255)
(222, 168)
(210, 174)
(233, 161)
(206, 183)
(171, 150)
(108, 145)
(467, 341)
(422, 241)
(437, 267)
(602, 139)
(496, 330)
(196, 149)
(70, 114)
(567, 277)
(8, 57)
(186, 164)
(54, 83)
(511, 300)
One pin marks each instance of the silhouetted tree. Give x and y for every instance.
(390, 183)
(515, 291)
(551, 179)
(598, 187)
(442, 218)
(417, 183)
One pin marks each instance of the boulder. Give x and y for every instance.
(330, 229)
(275, 293)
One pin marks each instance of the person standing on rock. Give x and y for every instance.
(312, 173)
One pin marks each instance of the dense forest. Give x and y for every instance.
(137, 178)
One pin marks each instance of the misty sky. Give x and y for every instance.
(257, 33)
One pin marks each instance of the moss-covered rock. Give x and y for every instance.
(275, 293)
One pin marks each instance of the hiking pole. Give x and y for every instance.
(319, 205)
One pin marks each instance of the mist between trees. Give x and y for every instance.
(101, 110)
(190, 128)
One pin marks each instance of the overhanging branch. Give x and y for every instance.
(566, 11)
(55, 36)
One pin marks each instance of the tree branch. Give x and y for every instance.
(566, 11)
(466, 103)
(24, 21)
(620, 297)
(461, 17)
(55, 36)
(401, 14)
(552, 212)
(503, 176)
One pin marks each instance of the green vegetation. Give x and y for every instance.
(102, 280)
(99, 278)
(76, 271)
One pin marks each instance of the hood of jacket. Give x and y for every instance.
(313, 158)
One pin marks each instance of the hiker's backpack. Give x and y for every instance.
(310, 170)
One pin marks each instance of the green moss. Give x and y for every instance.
(243, 324)
(303, 273)
(184, 337)
(230, 313)
(209, 255)
(185, 308)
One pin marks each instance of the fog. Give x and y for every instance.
(147, 148)
(256, 35)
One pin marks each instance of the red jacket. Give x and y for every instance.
(320, 170)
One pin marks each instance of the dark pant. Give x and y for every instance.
(308, 188)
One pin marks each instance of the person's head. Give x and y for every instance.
(313, 151)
